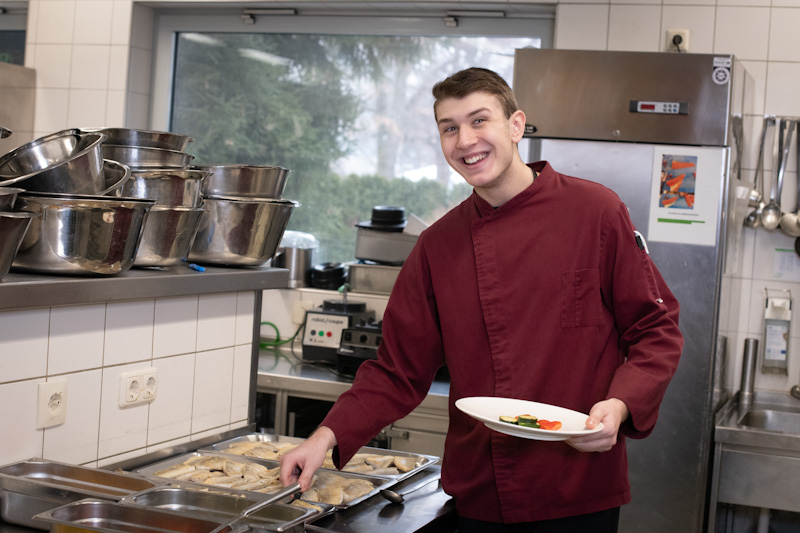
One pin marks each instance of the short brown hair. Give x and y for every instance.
(471, 80)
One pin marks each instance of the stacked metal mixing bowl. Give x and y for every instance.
(158, 171)
(246, 215)
(102, 200)
(78, 223)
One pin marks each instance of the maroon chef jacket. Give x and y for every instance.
(546, 298)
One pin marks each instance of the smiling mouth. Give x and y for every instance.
(471, 160)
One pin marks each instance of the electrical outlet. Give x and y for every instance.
(150, 380)
(52, 404)
(677, 41)
(137, 386)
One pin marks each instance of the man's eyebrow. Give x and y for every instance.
(470, 114)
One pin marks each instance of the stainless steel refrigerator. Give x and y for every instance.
(656, 129)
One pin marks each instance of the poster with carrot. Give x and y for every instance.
(678, 179)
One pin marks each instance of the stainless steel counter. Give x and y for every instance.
(280, 371)
(23, 290)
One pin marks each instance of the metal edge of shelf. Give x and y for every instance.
(25, 291)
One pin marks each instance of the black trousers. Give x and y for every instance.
(600, 522)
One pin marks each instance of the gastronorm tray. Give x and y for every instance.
(150, 471)
(422, 461)
(112, 517)
(36, 485)
(279, 517)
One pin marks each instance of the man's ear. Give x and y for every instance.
(517, 124)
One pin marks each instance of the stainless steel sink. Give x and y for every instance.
(772, 420)
(757, 453)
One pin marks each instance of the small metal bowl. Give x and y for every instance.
(13, 226)
(240, 231)
(7, 197)
(142, 157)
(146, 138)
(168, 235)
(81, 234)
(68, 161)
(173, 187)
(250, 181)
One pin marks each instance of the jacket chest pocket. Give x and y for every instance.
(581, 302)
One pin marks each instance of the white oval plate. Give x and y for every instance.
(489, 409)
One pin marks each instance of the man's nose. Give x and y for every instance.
(466, 137)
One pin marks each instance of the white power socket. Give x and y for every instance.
(138, 386)
(52, 405)
(683, 38)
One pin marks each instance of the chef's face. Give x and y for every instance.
(477, 139)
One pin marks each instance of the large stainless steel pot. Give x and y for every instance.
(81, 234)
(240, 231)
(67, 161)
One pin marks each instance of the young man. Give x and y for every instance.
(532, 288)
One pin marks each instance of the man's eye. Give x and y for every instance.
(479, 120)
(449, 129)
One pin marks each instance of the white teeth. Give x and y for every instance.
(474, 159)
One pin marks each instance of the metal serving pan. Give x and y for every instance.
(113, 517)
(36, 485)
(279, 517)
(150, 471)
(423, 461)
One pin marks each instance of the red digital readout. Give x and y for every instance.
(647, 107)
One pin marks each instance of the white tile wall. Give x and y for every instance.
(19, 439)
(76, 338)
(129, 332)
(634, 28)
(175, 326)
(216, 321)
(23, 344)
(213, 385)
(89, 346)
(171, 411)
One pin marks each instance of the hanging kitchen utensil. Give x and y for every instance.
(753, 220)
(790, 222)
(771, 214)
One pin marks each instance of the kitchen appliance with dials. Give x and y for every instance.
(324, 326)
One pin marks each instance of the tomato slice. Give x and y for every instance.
(547, 424)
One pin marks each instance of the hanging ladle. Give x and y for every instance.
(771, 214)
(753, 220)
(790, 222)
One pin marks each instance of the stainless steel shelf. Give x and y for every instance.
(25, 291)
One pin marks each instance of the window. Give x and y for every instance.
(12, 33)
(349, 113)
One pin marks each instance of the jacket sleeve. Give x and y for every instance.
(387, 389)
(646, 319)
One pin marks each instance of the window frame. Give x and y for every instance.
(526, 21)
